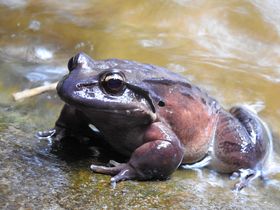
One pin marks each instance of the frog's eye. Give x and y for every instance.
(113, 82)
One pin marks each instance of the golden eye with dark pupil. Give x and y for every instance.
(113, 83)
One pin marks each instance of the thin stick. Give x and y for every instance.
(34, 91)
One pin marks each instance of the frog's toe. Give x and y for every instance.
(107, 170)
(120, 172)
(246, 176)
(46, 134)
(127, 173)
(114, 163)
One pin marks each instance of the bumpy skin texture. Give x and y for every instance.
(156, 118)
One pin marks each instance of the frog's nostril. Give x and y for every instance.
(79, 59)
(72, 64)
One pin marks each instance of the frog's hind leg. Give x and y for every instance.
(156, 159)
(241, 142)
(258, 132)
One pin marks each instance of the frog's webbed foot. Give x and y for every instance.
(246, 176)
(120, 171)
(114, 168)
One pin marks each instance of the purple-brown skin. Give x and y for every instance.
(157, 118)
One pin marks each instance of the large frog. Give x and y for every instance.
(157, 119)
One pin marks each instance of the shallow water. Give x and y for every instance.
(230, 48)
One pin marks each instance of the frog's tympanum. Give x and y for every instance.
(157, 119)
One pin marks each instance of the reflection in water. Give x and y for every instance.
(44, 73)
(14, 4)
(231, 48)
(35, 54)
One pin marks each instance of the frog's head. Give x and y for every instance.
(109, 86)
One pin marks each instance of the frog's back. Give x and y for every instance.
(136, 71)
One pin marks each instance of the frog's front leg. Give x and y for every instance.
(71, 125)
(158, 158)
(241, 142)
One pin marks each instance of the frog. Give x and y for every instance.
(158, 120)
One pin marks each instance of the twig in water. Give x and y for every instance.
(34, 91)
